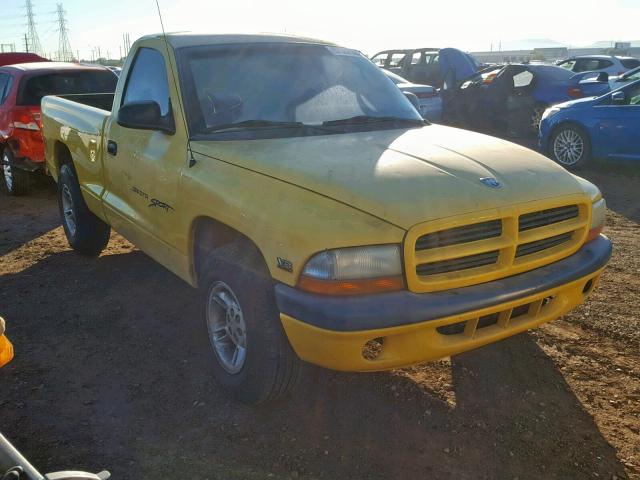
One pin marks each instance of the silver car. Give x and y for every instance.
(429, 101)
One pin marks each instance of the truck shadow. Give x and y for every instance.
(113, 370)
(26, 218)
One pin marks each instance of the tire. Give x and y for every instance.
(536, 118)
(15, 181)
(86, 233)
(570, 147)
(239, 308)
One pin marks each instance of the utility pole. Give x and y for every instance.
(65, 53)
(26, 43)
(32, 34)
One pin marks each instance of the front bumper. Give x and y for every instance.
(333, 331)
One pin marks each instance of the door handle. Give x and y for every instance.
(112, 148)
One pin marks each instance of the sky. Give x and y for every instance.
(365, 25)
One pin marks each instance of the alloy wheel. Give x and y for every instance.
(568, 147)
(68, 211)
(227, 328)
(8, 174)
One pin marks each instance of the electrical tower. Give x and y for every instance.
(31, 40)
(65, 54)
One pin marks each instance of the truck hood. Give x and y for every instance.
(403, 176)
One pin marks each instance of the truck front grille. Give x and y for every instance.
(463, 251)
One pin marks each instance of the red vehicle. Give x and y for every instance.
(22, 86)
(11, 58)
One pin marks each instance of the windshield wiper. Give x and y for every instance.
(248, 124)
(364, 119)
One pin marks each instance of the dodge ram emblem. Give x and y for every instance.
(491, 182)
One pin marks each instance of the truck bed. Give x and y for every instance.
(103, 101)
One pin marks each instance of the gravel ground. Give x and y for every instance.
(113, 370)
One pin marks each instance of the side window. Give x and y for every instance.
(148, 80)
(522, 79)
(586, 65)
(380, 59)
(568, 64)
(5, 86)
(397, 59)
(417, 58)
(602, 64)
(633, 96)
(630, 62)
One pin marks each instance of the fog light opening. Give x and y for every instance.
(373, 349)
(588, 287)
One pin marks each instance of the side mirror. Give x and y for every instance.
(413, 99)
(603, 77)
(618, 98)
(145, 115)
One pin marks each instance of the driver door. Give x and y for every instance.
(143, 165)
(619, 124)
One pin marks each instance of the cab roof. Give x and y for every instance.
(190, 39)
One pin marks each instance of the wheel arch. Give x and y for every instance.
(566, 123)
(208, 234)
(61, 156)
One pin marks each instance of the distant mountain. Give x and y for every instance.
(528, 44)
(610, 43)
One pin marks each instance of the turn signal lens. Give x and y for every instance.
(594, 232)
(351, 287)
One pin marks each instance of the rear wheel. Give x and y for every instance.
(536, 118)
(254, 361)
(86, 233)
(15, 181)
(570, 147)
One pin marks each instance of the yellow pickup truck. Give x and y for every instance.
(322, 219)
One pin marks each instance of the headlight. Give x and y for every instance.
(548, 112)
(355, 270)
(598, 215)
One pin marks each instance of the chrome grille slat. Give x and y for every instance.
(550, 216)
(456, 264)
(457, 235)
(539, 245)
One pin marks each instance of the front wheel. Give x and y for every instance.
(14, 180)
(254, 361)
(86, 233)
(570, 147)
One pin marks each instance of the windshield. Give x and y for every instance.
(287, 83)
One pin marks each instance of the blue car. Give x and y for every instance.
(606, 127)
(511, 99)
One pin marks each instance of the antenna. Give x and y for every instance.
(192, 161)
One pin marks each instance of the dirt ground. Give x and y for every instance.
(113, 370)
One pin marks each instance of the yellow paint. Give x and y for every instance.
(410, 344)
(6, 351)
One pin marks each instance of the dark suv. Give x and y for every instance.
(418, 65)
